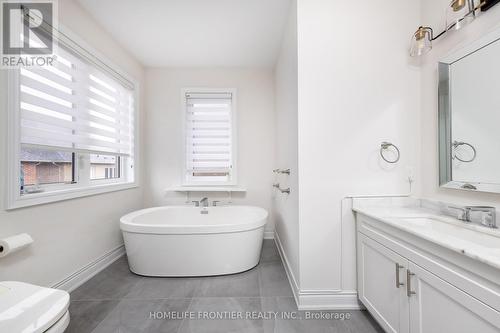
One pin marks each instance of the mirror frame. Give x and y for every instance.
(445, 116)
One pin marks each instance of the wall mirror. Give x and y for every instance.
(469, 117)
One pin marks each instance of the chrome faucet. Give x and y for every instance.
(204, 202)
(487, 215)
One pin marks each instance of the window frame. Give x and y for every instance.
(82, 187)
(234, 136)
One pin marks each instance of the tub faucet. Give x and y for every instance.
(204, 202)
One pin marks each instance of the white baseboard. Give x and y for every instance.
(341, 300)
(317, 299)
(288, 269)
(268, 234)
(85, 273)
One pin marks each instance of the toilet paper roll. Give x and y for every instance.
(15, 243)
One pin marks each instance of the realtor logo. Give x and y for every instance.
(27, 33)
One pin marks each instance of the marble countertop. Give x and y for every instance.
(475, 241)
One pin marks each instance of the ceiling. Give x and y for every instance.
(195, 33)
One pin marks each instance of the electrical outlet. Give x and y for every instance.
(410, 171)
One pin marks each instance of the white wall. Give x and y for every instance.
(433, 15)
(287, 206)
(70, 234)
(164, 136)
(356, 88)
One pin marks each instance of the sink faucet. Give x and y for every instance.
(487, 219)
(204, 202)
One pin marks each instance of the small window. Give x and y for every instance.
(210, 138)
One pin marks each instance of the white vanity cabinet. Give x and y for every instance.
(381, 284)
(438, 306)
(408, 286)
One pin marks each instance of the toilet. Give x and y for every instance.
(28, 308)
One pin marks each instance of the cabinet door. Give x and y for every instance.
(437, 306)
(381, 279)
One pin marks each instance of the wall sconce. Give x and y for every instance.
(421, 42)
(458, 14)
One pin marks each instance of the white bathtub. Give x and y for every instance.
(180, 241)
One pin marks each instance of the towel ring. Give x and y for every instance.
(457, 144)
(385, 146)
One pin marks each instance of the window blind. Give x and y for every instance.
(75, 106)
(209, 137)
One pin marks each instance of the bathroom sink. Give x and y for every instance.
(457, 235)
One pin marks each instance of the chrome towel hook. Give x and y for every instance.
(386, 146)
(282, 171)
(282, 190)
(457, 144)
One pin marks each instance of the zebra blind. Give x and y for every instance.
(209, 138)
(75, 106)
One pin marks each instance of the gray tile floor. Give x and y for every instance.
(116, 300)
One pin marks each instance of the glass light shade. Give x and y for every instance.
(459, 14)
(421, 42)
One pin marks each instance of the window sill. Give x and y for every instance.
(186, 188)
(67, 194)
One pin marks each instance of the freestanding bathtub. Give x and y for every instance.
(181, 241)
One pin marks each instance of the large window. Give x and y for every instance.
(73, 128)
(210, 137)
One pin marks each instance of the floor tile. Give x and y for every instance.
(86, 315)
(114, 282)
(269, 251)
(273, 280)
(316, 321)
(233, 310)
(158, 288)
(134, 316)
(360, 322)
(118, 301)
(244, 284)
